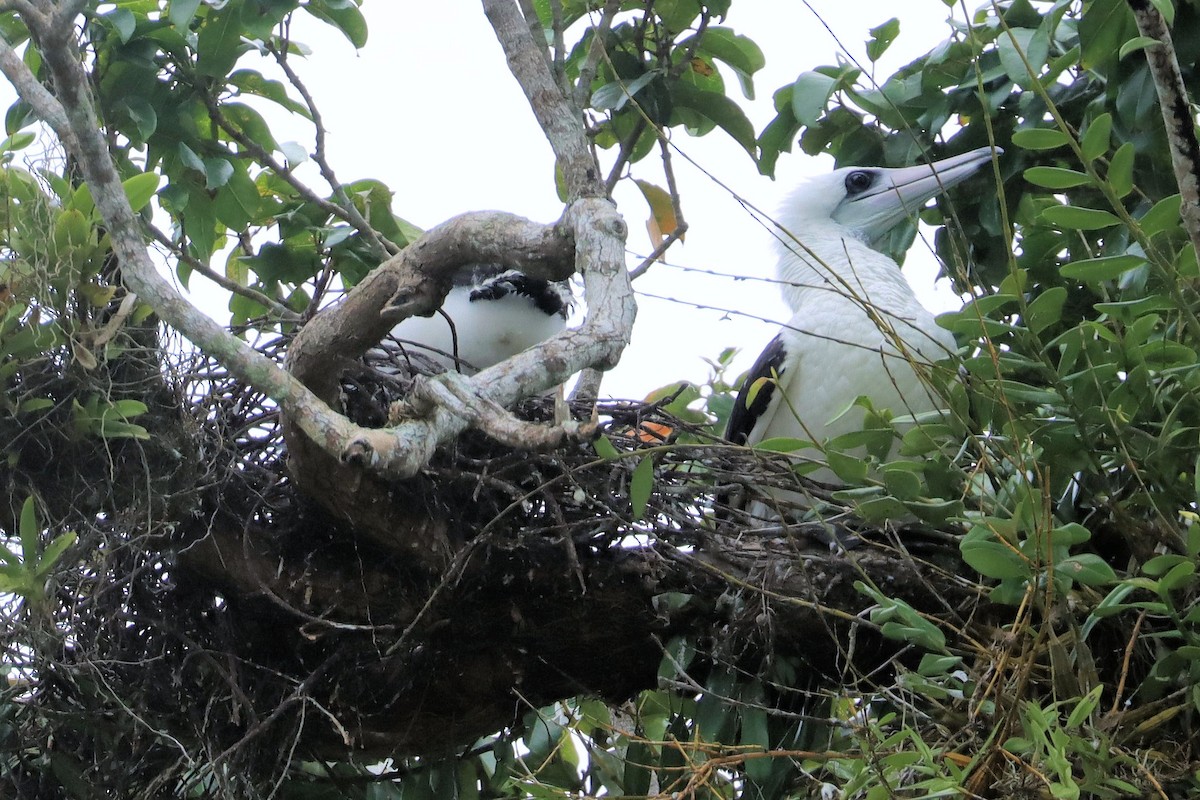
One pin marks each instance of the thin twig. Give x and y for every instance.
(259, 154)
(380, 246)
(274, 306)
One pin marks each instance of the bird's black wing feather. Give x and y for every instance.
(745, 413)
(550, 297)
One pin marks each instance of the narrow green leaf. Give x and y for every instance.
(1120, 170)
(1094, 142)
(641, 483)
(1045, 309)
(1163, 215)
(53, 552)
(29, 530)
(1056, 177)
(604, 448)
(1099, 270)
(1080, 219)
(783, 444)
(1084, 708)
(1040, 138)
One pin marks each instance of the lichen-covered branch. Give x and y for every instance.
(560, 122)
(1176, 112)
(71, 114)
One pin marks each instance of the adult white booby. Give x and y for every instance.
(490, 314)
(857, 328)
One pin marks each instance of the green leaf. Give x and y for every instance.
(250, 124)
(219, 41)
(1135, 44)
(1167, 9)
(1040, 138)
(613, 96)
(181, 12)
(18, 141)
(344, 16)
(991, 558)
(1163, 215)
(217, 172)
(1099, 270)
(1084, 708)
(1102, 30)
(604, 448)
(719, 109)
(53, 552)
(810, 93)
(1031, 43)
(783, 444)
(738, 52)
(1120, 169)
(140, 188)
(1080, 219)
(123, 22)
(1088, 569)
(1046, 309)
(1056, 177)
(882, 37)
(29, 531)
(641, 484)
(848, 468)
(1094, 142)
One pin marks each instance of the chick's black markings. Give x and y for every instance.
(546, 295)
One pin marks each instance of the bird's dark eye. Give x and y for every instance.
(858, 182)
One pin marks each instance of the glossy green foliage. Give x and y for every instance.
(661, 69)
(181, 86)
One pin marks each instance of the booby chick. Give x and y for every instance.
(489, 315)
(857, 328)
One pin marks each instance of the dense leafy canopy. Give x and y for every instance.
(1068, 463)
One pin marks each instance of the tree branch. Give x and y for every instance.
(560, 123)
(71, 114)
(1176, 112)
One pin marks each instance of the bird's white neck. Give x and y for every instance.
(827, 264)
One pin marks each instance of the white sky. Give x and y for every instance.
(430, 108)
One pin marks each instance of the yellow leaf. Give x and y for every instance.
(662, 222)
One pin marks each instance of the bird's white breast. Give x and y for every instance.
(488, 331)
(857, 329)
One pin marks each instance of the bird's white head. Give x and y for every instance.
(867, 202)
